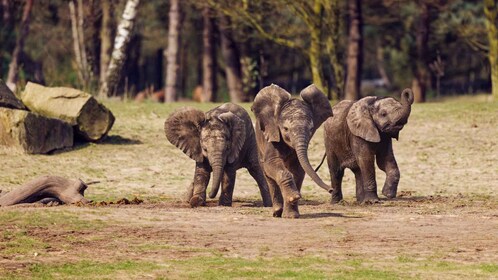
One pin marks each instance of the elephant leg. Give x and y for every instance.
(276, 170)
(189, 193)
(359, 185)
(367, 170)
(387, 163)
(201, 180)
(298, 175)
(336, 175)
(276, 196)
(257, 173)
(227, 187)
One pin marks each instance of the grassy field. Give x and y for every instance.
(443, 225)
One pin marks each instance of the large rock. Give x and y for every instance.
(8, 99)
(33, 133)
(91, 119)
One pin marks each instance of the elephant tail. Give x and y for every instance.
(320, 165)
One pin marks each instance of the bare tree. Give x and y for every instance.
(105, 37)
(421, 73)
(232, 62)
(77, 22)
(491, 12)
(13, 75)
(209, 68)
(119, 54)
(173, 51)
(355, 51)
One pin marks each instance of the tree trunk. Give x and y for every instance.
(119, 53)
(421, 71)
(91, 120)
(8, 98)
(315, 49)
(232, 62)
(379, 55)
(355, 51)
(62, 189)
(105, 38)
(76, 14)
(332, 43)
(491, 12)
(13, 74)
(209, 68)
(173, 51)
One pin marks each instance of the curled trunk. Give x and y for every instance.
(302, 155)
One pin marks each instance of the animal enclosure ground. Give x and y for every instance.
(443, 225)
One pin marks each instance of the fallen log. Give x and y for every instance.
(8, 99)
(32, 133)
(90, 119)
(47, 188)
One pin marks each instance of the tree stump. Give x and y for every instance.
(8, 99)
(90, 119)
(47, 188)
(32, 133)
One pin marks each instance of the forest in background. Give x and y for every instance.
(230, 49)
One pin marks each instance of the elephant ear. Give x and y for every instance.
(183, 129)
(238, 130)
(320, 105)
(267, 106)
(360, 120)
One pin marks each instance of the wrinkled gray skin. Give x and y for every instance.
(284, 127)
(220, 141)
(358, 134)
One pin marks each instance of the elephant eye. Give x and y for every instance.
(383, 113)
(286, 129)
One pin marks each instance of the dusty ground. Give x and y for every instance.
(443, 225)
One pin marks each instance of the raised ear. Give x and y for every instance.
(320, 105)
(266, 107)
(183, 129)
(238, 131)
(360, 121)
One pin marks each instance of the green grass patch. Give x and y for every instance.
(85, 270)
(47, 218)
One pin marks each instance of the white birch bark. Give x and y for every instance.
(119, 54)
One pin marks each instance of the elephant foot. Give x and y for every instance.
(291, 211)
(389, 193)
(370, 198)
(197, 201)
(277, 213)
(336, 198)
(294, 198)
(225, 199)
(225, 202)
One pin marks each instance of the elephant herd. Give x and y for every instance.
(275, 151)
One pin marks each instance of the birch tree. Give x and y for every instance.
(13, 74)
(173, 52)
(119, 52)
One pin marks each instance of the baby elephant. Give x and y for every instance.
(360, 132)
(220, 141)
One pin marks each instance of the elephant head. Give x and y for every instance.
(370, 116)
(216, 136)
(293, 121)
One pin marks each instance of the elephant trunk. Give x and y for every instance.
(407, 101)
(302, 155)
(217, 178)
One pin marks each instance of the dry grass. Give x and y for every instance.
(444, 225)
